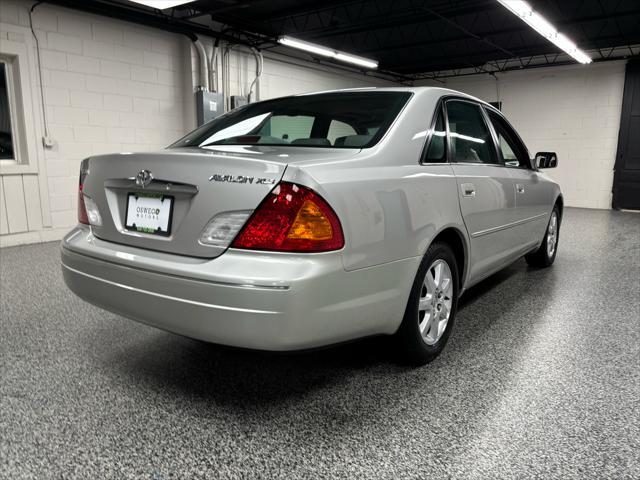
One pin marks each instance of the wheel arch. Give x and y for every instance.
(560, 203)
(454, 237)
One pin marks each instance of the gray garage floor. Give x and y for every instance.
(541, 379)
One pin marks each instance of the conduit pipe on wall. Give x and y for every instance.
(204, 64)
(226, 72)
(213, 66)
(259, 68)
(225, 77)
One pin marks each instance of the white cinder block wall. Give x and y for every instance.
(286, 76)
(114, 86)
(108, 86)
(574, 111)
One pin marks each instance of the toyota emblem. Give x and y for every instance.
(144, 178)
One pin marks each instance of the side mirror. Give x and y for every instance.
(546, 160)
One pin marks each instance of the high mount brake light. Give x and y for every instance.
(292, 218)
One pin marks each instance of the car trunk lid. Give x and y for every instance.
(197, 183)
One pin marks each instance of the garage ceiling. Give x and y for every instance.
(414, 39)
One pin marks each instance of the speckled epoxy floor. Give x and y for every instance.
(540, 380)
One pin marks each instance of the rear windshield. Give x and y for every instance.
(328, 120)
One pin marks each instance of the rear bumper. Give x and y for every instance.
(247, 299)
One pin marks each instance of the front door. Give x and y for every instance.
(533, 194)
(485, 189)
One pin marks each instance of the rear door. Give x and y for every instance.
(533, 194)
(485, 188)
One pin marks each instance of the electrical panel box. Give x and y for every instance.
(209, 105)
(238, 101)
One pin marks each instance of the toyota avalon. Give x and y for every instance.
(315, 219)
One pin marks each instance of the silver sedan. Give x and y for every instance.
(315, 219)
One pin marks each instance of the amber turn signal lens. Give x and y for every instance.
(310, 224)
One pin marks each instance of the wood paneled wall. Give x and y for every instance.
(19, 204)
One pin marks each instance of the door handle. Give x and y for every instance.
(468, 190)
(519, 188)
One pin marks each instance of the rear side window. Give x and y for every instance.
(436, 152)
(469, 135)
(514, 153)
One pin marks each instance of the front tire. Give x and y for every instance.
(546, 254)
(431, 309)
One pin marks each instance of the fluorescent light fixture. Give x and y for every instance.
(162, 4)
(541, 25)
(306, 46)
(363, 62)
(327, 52)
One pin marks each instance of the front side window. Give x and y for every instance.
(329, 120)
(514, 153)
(469, 135)
(508, 155)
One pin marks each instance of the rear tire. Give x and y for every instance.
(431, 310)
(546, 254)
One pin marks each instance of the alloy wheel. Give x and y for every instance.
(434, 304)
(552, 234)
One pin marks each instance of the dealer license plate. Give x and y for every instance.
(149, 213)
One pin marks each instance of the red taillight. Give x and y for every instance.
(82, 209)
(292, 218)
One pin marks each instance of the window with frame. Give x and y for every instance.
(20, 109)
(514, 153)
(8, 146)
(436, 151)
(469, 135)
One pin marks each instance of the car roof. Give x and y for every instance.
(438, 91)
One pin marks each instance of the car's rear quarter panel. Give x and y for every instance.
(388, 213)
(391, 206)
